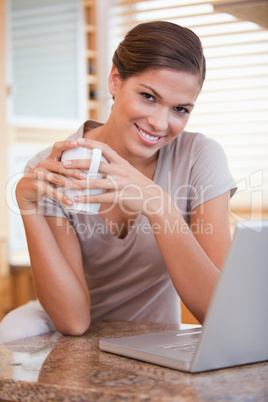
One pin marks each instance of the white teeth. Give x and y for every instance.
(149, 137)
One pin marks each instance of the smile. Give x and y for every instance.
(147, 136)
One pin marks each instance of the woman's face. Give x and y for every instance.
(150, 109)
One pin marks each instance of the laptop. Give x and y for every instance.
(235, 330)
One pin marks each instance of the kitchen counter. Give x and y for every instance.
(52, 367)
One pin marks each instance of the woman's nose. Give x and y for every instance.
(159, 119)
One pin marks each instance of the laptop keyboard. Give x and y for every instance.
(184, 342)
(186, 347)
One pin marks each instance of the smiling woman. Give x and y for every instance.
(157, 116)
(149, 245)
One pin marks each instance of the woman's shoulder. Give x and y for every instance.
(191, 150)
(190, 143)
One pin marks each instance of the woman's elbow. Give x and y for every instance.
(77, 328)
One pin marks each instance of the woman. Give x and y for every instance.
(163, 228)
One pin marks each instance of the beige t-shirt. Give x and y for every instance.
(127, 278)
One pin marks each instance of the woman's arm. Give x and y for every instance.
(57, 269)
(194, 257)
(54, 249)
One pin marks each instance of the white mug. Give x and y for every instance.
(96, 157)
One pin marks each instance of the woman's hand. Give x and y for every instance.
(124, 184)
(46, 179)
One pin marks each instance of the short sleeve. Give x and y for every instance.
(210, 175)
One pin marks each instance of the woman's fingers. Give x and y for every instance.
(61, 146)
(74, 167)
(109, 183)
(109, 197)
(53, 192)
(111, 155)
(49, 183)
(60, 181)
(45, 176)
(40, 182)
(67, 168)
(63, 169)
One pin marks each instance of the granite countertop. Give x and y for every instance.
(52, 367)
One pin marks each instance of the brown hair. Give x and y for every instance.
(160, 44)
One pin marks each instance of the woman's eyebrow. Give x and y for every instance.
(151, 89)
(160, 97)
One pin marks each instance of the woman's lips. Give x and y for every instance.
(147, 138)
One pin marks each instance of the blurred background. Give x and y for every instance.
(55, 57)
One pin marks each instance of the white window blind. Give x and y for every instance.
(45, 63)
(233, 105)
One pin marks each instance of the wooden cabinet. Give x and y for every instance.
(186, 316)
(16, 283)
(5, 281)
(6, 302)
(22, 285)
(16, 289)
(91, 59)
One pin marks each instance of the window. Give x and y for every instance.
(46, 63)
(233, 105)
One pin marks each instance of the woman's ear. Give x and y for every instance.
(114, 81)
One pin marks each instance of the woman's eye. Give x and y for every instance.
(148, 97)
(182, 110)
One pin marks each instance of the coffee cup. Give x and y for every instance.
(95, 155)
